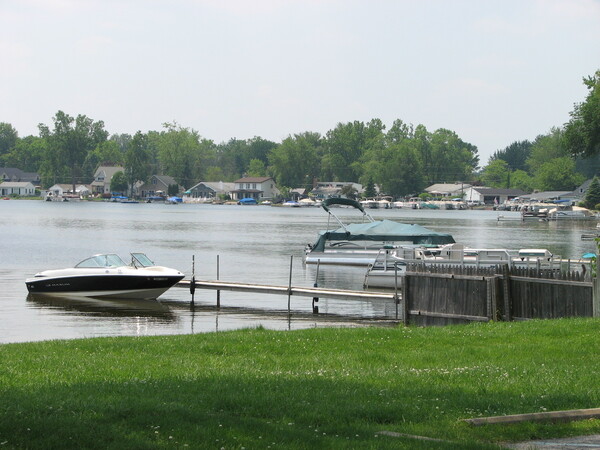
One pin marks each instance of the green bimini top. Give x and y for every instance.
(384, 231)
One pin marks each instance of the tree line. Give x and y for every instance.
(402, 159)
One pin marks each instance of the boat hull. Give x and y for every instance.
(104, 286)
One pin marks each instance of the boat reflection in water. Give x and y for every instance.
(113, 307)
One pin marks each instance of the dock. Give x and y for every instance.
(313, 292)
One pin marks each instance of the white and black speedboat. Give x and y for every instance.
(107, 275)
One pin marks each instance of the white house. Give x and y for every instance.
(102, 178)
(448, 189)
(258, 188)
(60, 190)
(21, 188)
(479, 194)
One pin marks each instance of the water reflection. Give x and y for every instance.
(105, 307)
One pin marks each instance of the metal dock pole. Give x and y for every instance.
(218, 291)
(396, 288)
(193, 282)
(315, 309)
(290, 285)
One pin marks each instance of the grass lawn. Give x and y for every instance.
(319, 388)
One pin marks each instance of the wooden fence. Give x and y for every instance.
(441, 295)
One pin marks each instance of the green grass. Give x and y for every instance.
(319, 388)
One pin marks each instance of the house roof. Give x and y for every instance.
(16, 184)
(253, 180)
(494, 191)
(12, 173)
(447, 188)
(217, 186)
(547, 195)
(109, 171)
(167, 180)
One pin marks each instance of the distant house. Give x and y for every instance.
(60, 190)
(580, 191)
(258, 188)
(297, 194)
(14, 174)
(156, 185)
(331, 189)
(20, 188)
(103, 177)
(447, 189)
(207, 190)
(490, 196)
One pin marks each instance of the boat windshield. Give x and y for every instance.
(141, 260)
(110, 260)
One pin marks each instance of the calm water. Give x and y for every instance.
(253, 244)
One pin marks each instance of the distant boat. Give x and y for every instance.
(173, 200)
(292, 204)
(562, 212)
(247, 201)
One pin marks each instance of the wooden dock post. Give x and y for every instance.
(406, 299)
(507, 302)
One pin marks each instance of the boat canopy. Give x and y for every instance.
(341, 201)
(384, 231)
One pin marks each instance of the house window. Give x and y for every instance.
(153, 180)
(253, 185)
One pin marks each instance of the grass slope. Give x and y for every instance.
(320, 388)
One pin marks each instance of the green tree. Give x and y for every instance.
(558, 174)
(446, 157)
(346, 144)
(214, 173)
(107, 153)
(27, 154)
(370, 189)
(294, 162)
(257, 168)
(136, 160)
(582, 132)
(496, 174)
(519, 179)
(71, 139)
(8, 138)
(546, 147)
(118, 182)
(515, 155)
(178, 152)
(403, 173)
(592, 195)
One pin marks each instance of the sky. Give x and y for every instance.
(493, 71)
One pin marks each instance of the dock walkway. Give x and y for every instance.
(289, 290)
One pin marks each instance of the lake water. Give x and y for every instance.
(252, 243)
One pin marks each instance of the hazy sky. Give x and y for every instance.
(492, 71)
